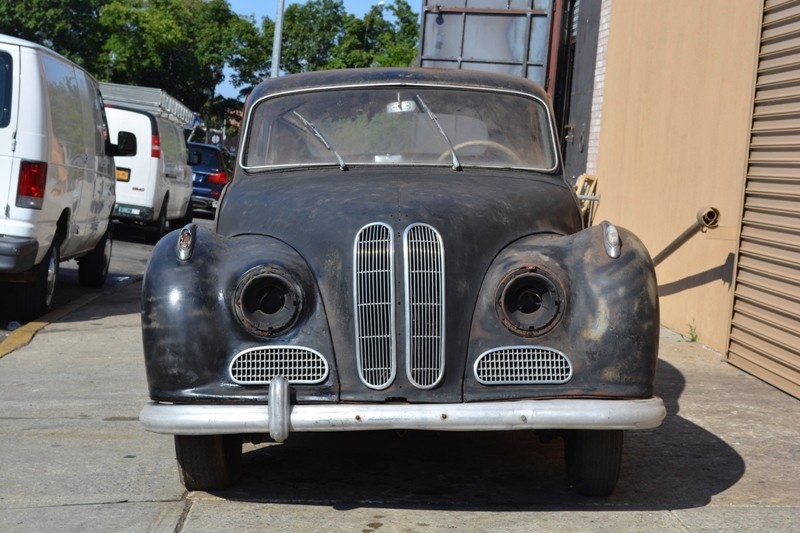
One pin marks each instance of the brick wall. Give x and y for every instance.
(599, 85)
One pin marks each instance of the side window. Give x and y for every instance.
(92, 126)
(64, 108)
(169, 142)
(6, 80)
(102, 122)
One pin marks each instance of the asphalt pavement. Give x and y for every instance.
(74, 457)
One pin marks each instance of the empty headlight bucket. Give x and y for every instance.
(530, 301)
(267, 301)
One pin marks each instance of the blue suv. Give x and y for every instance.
(211, 171)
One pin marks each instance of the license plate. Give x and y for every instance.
(123, 174)
(128, 210)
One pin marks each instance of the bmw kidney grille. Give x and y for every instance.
(374, 297)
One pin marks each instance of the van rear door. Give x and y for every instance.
(137, 175)
(9, 96)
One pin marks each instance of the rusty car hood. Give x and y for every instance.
(477, 212)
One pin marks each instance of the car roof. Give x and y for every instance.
(410, 76)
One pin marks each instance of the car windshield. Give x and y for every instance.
(379, 125)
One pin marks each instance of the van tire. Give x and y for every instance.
(93, 267)
(162, 224)
(187, 217)
(34, 299)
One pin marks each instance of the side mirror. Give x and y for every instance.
(126, 145)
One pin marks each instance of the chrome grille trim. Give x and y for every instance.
(373, 295)
(423, 254)
(522, 365)
(299, 365)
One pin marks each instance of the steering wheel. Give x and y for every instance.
(482, 142)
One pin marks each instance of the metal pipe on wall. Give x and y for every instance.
(707, 218)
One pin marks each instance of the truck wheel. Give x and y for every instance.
(208, 462)
(185, 219)
(593, 459)
(93, 267)
(162, 224)
(36, 298)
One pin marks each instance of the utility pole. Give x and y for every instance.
(276, 42)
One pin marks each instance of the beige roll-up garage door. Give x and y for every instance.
(765, 327)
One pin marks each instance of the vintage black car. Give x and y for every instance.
(399, 249)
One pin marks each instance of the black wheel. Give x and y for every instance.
(208, 462)
(35, 298)
(93, 267)
(161, 225)
(593, 460)
(185, 219)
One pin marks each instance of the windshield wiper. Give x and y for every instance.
(456, 162)
(318, 134)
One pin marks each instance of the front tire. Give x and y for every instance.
(208, 462)
(93, 267)
(36, 298)
(593, 460)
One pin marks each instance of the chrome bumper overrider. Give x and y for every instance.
(280, 418)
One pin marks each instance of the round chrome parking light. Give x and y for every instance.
(529, 301)
(267, 301)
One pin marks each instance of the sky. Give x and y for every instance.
(269, 8)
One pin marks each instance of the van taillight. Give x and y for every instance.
(155, 150)
(30, 189)
(217, 177)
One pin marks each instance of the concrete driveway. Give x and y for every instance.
(74, 457)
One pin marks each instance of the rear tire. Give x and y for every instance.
(93, 267)
(208, 462)
(36, 298)
(593, 460)
(187, 217)
(162, 224)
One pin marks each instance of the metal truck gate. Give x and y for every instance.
(765, 325)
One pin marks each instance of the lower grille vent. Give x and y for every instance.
(257, 366)
(522, 365)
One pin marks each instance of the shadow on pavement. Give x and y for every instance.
(679, 465)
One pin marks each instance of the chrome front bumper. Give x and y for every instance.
(279, 418)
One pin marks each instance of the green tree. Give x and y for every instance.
(320, 35)
(252, 61)
(398, 46)
(185, 46)
(310, 32)
(181, 46)
(69, 27)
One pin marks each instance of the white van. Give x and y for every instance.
(56, 176)
(154, 187)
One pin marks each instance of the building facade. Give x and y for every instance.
(697, 104)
